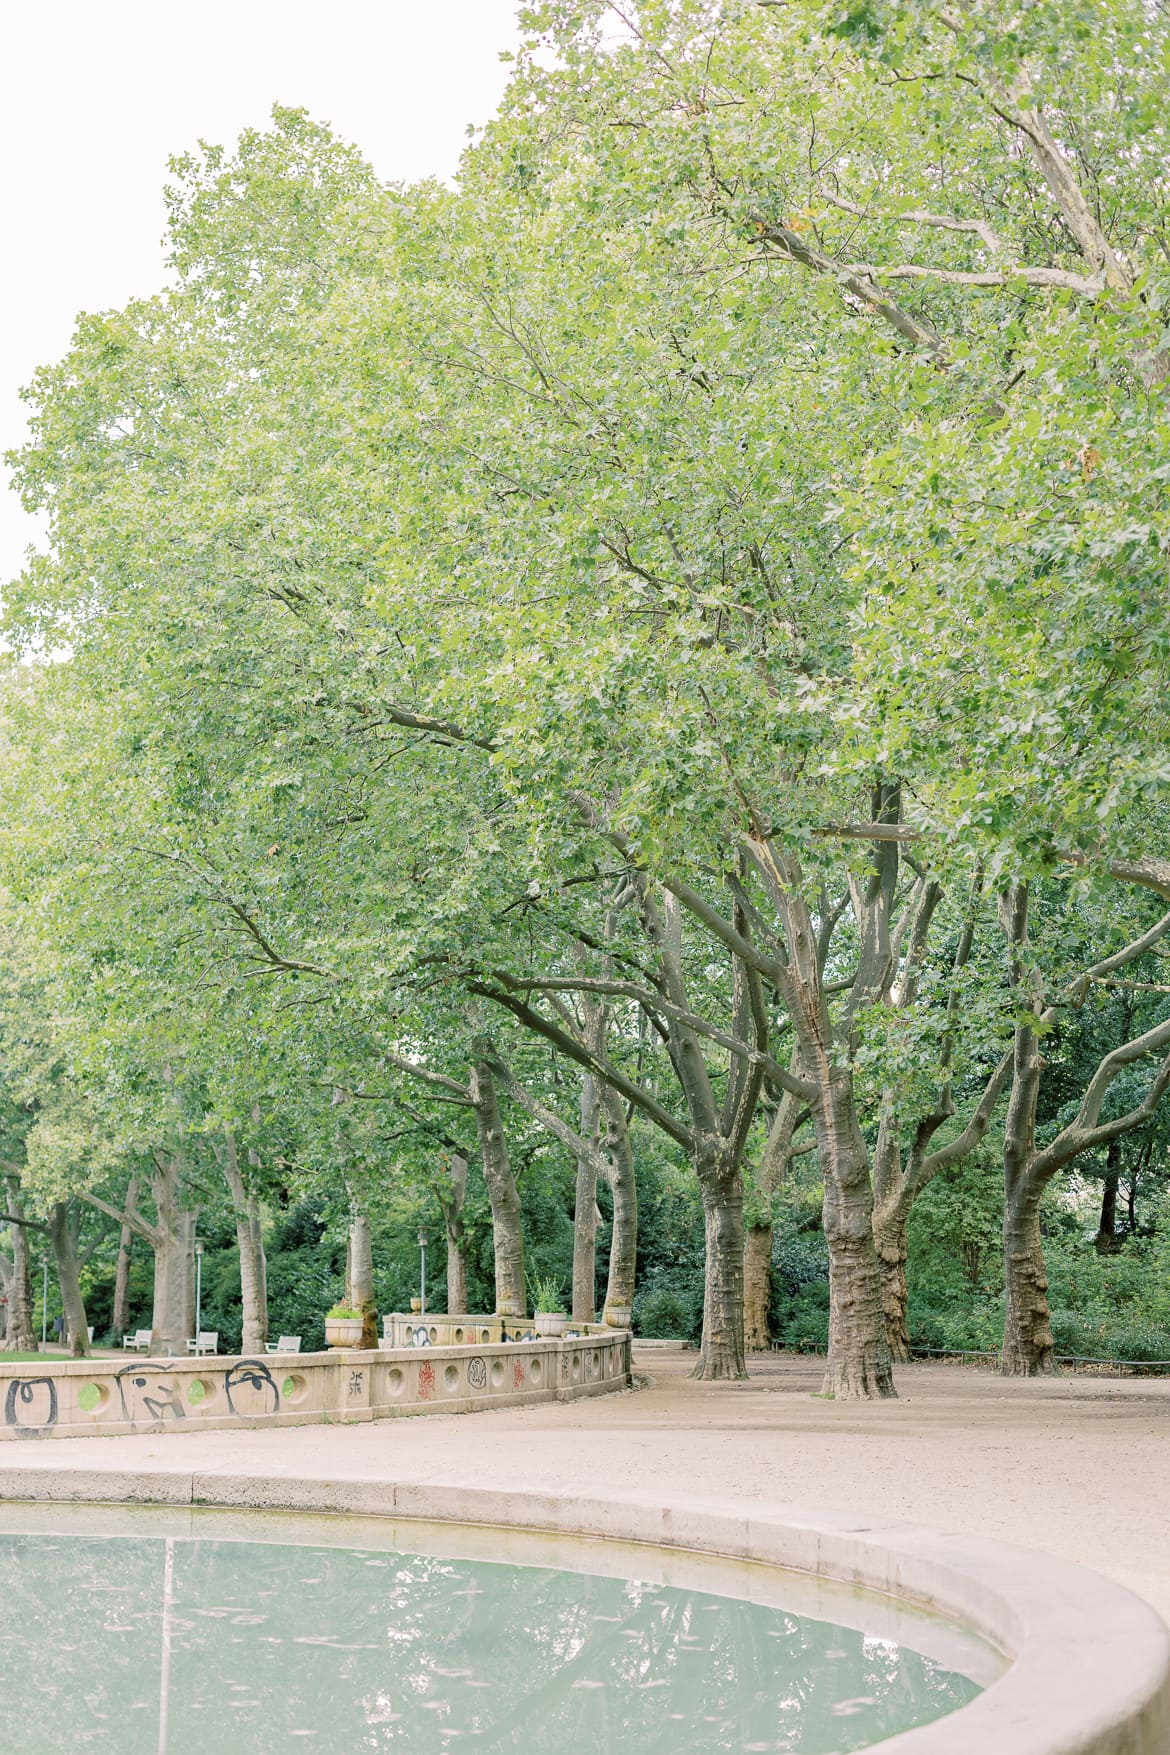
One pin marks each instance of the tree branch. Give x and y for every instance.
(1058, 277)
(25, 1224)
(1084, 1133)
(462, 1093)
(572, 1049)
(913, 329)
(944, 221)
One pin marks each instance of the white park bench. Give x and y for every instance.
(206, 1341)
(139, 1342)
(286, 1344)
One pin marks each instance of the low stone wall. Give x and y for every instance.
(441, 1330)
(84, 1397)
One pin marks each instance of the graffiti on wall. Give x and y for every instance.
(31, 1404)
(251, 1388)
(148, 1397)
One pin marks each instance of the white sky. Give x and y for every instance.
(94, 98)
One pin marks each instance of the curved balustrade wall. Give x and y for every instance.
(82, 1397)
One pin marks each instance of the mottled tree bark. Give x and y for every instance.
(187, 1222)
(121, 1317)
(622, 1177)
(503, 1196)
(1106, 1242)
(21, 1337)
(757, 1287)
(721, 1188)
(250, 1242)
(359, 1290)
(172, 1238)
(1028, 1349)
(859, 1364)
(585, 1208)
(62, 1238)
(452, 1199)
(771, 1173)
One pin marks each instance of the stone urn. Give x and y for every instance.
(617, 1316)
(344, 1331)
(551, 1322)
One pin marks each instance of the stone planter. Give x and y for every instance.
(344, 1331)
(551, 1322)
(617, 1316)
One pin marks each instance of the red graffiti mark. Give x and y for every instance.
(517, 1374)
(426, 1381)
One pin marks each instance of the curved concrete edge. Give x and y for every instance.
(1090, 1662)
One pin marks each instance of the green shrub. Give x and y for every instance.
(662, 1313)
(978, 1328)
(1140, 1342)
(805, 1328)
(1075, 1332)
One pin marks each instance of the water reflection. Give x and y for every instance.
(179, 1646)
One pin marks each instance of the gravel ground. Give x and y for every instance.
(1077, 1466)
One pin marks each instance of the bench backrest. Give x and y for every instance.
(142, 1337)
(209, 1337)
(289, 1344)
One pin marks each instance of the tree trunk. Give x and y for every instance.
(585, 1209)
(121, 1320)
(250, 1241)
(1105, 1241)
(1027, 1333)
(21, 1337)
(186, 1243)
(172, 1316)
(757, 1287)
(859, 1364)
(507, 1238)
(256, 1227)
(452, 1203)
(622, 1178)
(722, 1351)
(889, 1229)
(771, 1174)
(253, 1279)
(359, 1290)
(72, 1303)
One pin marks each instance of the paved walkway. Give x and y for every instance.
(1078, 1466)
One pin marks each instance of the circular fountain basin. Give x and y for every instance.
(155, 1630)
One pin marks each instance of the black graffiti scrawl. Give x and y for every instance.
(31, 1405)
(145, 1396)
(251, 1388)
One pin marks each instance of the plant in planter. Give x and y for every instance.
(343, 1326)
(551, 1316)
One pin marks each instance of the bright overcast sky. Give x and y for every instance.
(94, 98)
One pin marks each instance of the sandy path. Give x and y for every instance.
(1080, 1467)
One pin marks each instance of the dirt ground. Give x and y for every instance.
(1077, 1466)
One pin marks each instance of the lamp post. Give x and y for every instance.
(198, 1288)
(45, 1303)
(422, 1281)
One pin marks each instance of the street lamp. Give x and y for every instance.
(422, 1282)
(45, 1304)
(198, 1287)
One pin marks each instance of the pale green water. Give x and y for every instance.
(186, 1644)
